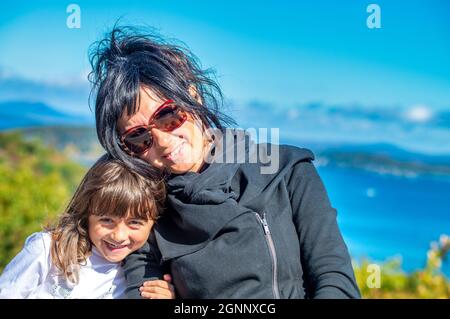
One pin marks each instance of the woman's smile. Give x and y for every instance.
(176, 153)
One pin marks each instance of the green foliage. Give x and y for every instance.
(428, 282)
(36, 182)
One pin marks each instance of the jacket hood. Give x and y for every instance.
(199, 205)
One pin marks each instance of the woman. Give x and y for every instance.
(229, 231)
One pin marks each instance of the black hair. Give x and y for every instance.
(128, 58)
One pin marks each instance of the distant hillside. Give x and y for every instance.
(381, 158)
(22, 114)
(83, 137)
(80, 143)
(384, 163)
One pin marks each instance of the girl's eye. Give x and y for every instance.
(105, 220)
(136, 222)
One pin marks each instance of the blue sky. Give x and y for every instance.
(295, 51)
(282, 53)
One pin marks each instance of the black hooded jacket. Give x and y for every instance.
(232, 232)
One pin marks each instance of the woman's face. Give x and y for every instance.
(179, 151)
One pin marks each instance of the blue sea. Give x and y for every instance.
(383, 216)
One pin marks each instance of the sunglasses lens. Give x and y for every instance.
(138, 140)
(170, 118)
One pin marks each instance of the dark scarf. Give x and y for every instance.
(199, 204)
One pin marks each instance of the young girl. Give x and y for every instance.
(109, 217)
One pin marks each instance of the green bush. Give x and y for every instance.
(428, 282)
(36, 182)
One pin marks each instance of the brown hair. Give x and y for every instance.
(108, 188)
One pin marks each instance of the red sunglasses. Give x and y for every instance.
(167, 118)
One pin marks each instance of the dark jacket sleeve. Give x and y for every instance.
(142, 265)
(326, 263)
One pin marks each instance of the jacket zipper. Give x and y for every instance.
(273, 254)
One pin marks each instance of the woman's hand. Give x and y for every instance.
(158, 289)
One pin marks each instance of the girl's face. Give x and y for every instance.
(115, 237)
(179, 151)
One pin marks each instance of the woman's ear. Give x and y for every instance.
(194, 93)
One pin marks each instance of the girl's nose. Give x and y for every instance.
(119, 234)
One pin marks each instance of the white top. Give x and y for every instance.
(31, 275)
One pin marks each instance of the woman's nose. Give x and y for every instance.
(161, 139)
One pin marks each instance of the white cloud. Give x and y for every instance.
(5, 73)
(371, 192)
(419, 114)
(67, 94)
(416, 128)
(293, 114)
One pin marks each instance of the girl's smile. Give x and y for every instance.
(116, 237)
